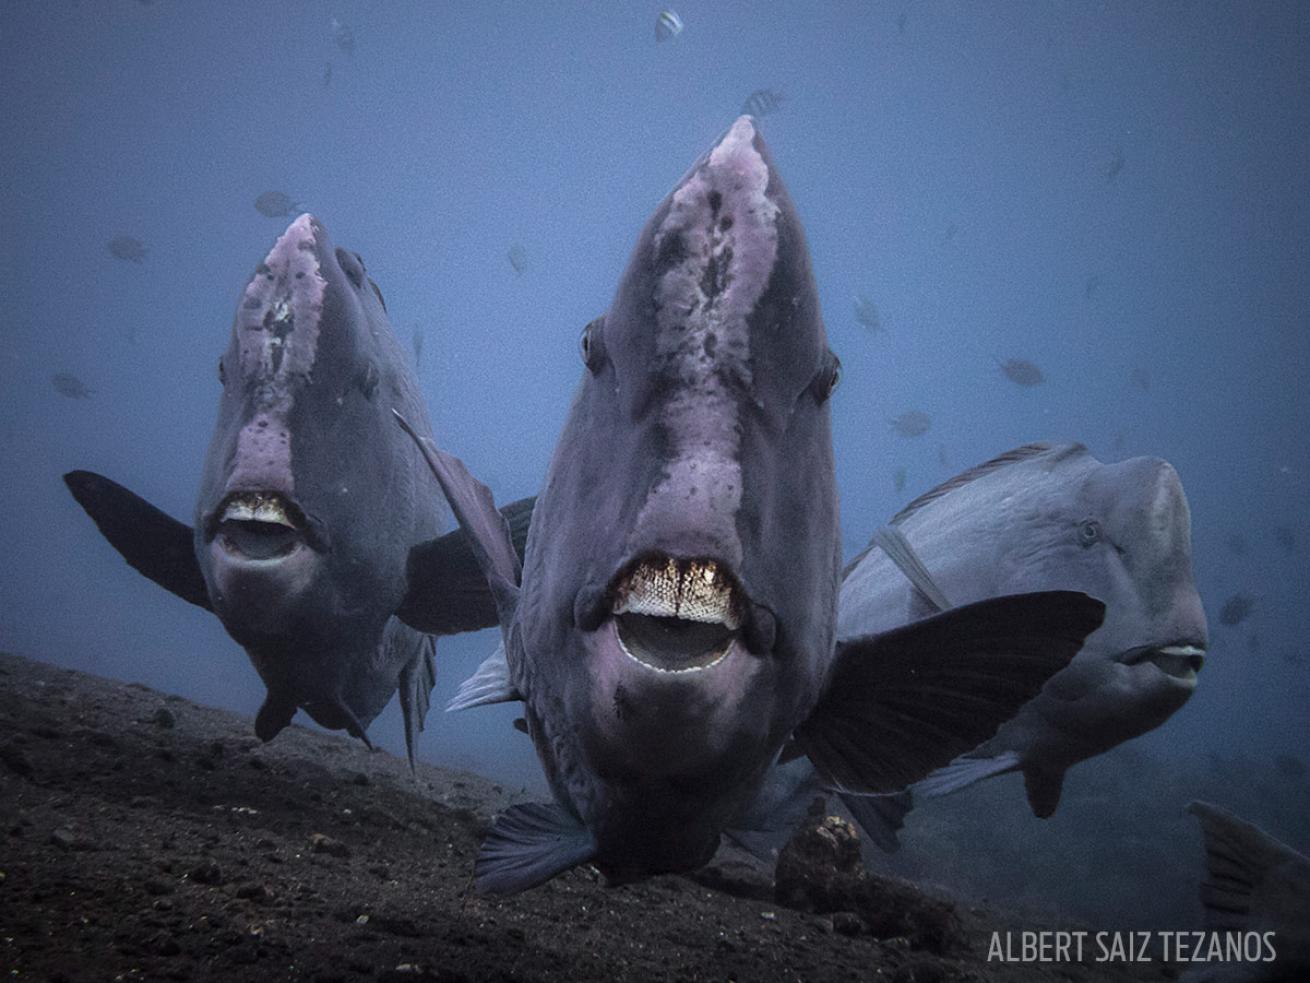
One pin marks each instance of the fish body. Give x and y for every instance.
(343, 36)
(667, 25)
(1254, 884)
(1116, 165)
(518, 258)
(1045, 517)
(911, 423)
(1021, 372)
(67, 384)
(898, 480)
(127, 248)
(309, 500)
(672, 625)
(762, 102)
(276, 204)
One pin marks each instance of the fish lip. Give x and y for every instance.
(257, 526)
(693, 631)
(1180, 660)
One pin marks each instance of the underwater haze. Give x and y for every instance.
(1028, 221)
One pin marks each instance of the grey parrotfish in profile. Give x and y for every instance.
(316, 521)
(1253, 884)
(672, 627)
(1050, 517)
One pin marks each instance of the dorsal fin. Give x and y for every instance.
(1012, 456)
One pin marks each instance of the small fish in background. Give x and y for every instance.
(1120, 439)
(866, 312)
(1285, 537)
(418, 347)
(1253, 643)
(1116, 165)
(1293, 658)
(327, 74)
(518, 258)
(762, 102)
(1236, 543)
(343, 36)
(1236, 609)
(667, 25)
(1290, 766)
(127, 248)
(911, 423)
(949, 234)
(1141, 378)
(1258, 885)
(942, 458)
(901, 20)
(67, 384)
(1090, 286)
(898, 480)
(277, 204)
(1021, 372)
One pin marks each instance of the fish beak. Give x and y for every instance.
(1181, 660)
(257, 526)
(677, 616)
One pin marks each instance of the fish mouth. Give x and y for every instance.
(258, 525)
(1180, 660)
(676, 615)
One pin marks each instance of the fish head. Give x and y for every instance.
(306, 502)
(687, 533)
(1132, 545)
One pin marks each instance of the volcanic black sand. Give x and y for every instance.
(145, 837)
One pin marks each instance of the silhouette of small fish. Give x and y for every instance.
(1285, 537)
(67, 384)
(762, 102)
(127, 248)
(866, 312)
(1090, 286)
(911, 423)
(1021, 372)
(1116, 165)
(667, 25)
(898, 480)
(518, 258)
(276, 204)
(1236, 609)
(343, 36)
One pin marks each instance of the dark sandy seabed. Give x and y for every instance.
(145, 837)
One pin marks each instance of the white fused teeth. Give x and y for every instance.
(257, 507)
(1182, 651)
(693, 590)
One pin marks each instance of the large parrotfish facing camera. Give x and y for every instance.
(672, 627)
(317, 521)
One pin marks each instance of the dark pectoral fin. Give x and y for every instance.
(487, 530)
(880, 816)
(528, 845)
(273, 716)
(153, 543)
(448, 591)
(1043, 788)
(907, 701)
(416, 681)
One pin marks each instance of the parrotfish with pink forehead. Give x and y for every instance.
(317, 521)
(673, 623)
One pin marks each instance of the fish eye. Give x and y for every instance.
(826, 381)
(222, 373)
(1089, 532)
(591, 346)
(584, 344)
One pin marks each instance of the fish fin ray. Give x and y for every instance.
(965, 771)
(489, 684)
(152, 542)
(892, 541)
(528, 845)
(417, 679)
(487, 529)
(1043, 787)
(881, 817)
(902, 703)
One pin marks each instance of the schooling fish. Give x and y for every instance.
(127, 248)
(762, 102)
(1050, 517)
(1236, 609)
(667, 25)
(1254, 885)
(67, 384)
(911, 423)
(310, 501)
(673, 624)
(276, 204)
(1021, 372)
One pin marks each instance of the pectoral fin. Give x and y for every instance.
(1043, 788)
(448, 591)
(910, 700)
(153, 543)
(487, 530)
(528, 845)
(965, 771)
(489, 684)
